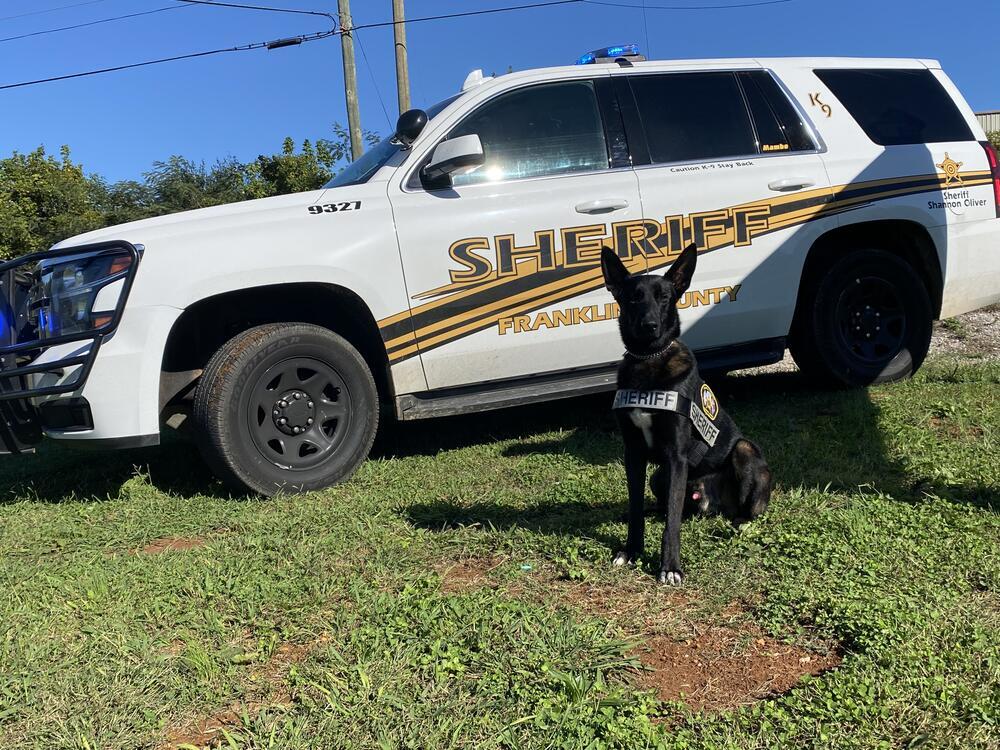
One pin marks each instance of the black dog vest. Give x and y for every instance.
(716, 433)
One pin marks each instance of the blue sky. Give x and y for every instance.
(244, 104)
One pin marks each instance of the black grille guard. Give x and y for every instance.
(19, 427)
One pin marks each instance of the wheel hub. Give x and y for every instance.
(872, 320)
(866, 322)
(294, 412)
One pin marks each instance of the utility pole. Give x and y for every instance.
(402, 68)
(350, 78)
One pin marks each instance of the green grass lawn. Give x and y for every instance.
(458, 592)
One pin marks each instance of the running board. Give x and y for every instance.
(568, 384)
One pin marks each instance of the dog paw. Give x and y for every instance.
(622, 558)
(671, 577)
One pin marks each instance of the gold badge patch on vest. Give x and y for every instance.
(709, 403)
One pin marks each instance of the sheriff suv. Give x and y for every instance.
(839, 207)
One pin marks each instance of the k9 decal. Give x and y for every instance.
(330, 208)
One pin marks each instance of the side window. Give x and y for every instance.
(693, 116)
(779, 126)
(898, 107)
(541, 130)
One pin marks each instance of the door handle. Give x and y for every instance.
(601, 206)
(789, 184)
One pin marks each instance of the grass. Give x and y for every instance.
(458, 593)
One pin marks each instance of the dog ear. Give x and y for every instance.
(681, 270)
(614, 271)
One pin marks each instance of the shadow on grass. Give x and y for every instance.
(58, 473)
(811, 438)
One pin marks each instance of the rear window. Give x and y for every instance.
(898, 107)
(693, 116)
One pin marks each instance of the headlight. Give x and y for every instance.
(68, 297)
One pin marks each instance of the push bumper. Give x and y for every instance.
(22, 365)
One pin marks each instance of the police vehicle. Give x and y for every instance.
(839, 206)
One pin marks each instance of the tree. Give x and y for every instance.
(43, 200)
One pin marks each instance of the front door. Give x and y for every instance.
(503, 268)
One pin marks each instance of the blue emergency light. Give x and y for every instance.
(609, 53)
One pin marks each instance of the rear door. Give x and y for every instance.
(503, 268)
(725, 160)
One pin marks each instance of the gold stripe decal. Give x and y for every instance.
(547, 271)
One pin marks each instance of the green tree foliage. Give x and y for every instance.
(994, 138)
(44, 199)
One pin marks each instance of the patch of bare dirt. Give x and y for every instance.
(205, 732)
(173, 544)
(721, 669)
(466, 574)
(273, 691)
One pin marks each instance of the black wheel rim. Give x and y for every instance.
(299, 413)
(871, 320)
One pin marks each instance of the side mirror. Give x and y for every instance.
(409, 126)
(453, 157)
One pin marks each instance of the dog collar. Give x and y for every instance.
(654, 355)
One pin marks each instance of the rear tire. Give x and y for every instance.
(285, 407)
(867, 320)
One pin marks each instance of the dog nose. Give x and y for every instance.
(650, 326)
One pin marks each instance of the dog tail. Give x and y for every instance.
(756, 480)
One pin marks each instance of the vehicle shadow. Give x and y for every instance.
(813, 439)
(57, 473)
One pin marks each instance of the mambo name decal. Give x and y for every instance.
(669, 401)
(573, 316)
(495, 278)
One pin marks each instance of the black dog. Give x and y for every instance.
(670, 417)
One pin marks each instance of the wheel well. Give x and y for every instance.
(207, 324)
(908, 240)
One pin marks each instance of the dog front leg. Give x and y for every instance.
(670, 549)
(635, 477)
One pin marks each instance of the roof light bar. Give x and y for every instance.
(608, 54)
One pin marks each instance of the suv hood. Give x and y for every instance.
(236, 216)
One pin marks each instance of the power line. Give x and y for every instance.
(259, 7)
(301, 39)
(278, 43)
(51, 10)
(688, 7)
(467, 13)
(371, 75)
(92, 23)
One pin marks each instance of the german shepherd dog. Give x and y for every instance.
(670, 417)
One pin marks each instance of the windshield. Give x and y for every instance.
(372, 160)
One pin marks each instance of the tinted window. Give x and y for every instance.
(896, 107)
(541, 130)
(693, 116)
(778, 124)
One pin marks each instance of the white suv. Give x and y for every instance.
(839, 205)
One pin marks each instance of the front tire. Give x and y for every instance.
(285, 407)
(867, 320)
